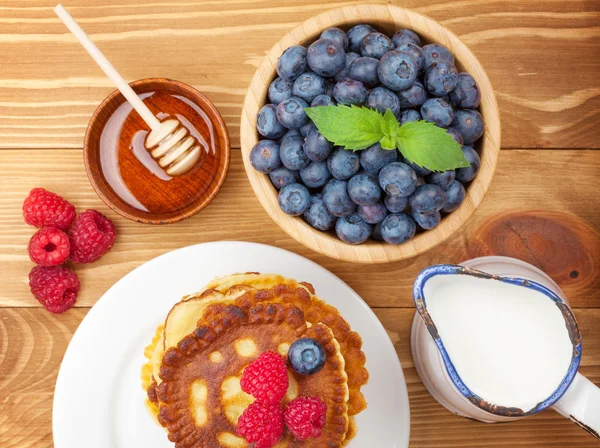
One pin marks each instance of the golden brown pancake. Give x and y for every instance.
(200, 397)
(147, 377)
(316, 310)
(183, 316)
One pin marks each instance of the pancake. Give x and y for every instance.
(316, 310)
(147, 375)
(200, 399)
(231, 289)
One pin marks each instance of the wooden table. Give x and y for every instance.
(543, 58)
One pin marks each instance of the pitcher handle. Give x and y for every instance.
(581, 404)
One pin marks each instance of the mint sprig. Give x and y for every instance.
(357, 128)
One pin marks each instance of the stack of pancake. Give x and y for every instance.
(196, 359)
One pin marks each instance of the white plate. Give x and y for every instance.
(98, 400)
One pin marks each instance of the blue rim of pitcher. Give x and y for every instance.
(571, 323)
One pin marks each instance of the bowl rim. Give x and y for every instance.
(198, 205)
(373, 251)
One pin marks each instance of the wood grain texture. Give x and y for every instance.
(386, 18)
(32, 342)
(542, 59)
(504, 224)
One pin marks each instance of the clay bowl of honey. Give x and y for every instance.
(124, 173)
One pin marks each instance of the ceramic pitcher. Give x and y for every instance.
(576, 397)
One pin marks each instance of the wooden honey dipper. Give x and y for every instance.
(169, 142)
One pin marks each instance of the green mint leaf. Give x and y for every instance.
(429, 146)
(351, 127)
(388, 142)
(390, 125)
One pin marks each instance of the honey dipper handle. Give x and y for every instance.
(107, 67)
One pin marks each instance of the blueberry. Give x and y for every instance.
(336, 35)
(470, 125)
(349, 91)
(456, 136)
(427, 221)
(323, 100)
(330, 85)
(398, 179)
(356, 36)
(402, 37)
(363, 189)
(337, 201)
(280, 90)
(376, 233)
(306, 356)
(307, 128)
(290, 133)
(317, 147)
(315, 175)
(441, 78)
(374, 158)
(455, 195)
(468, 174)
(294, 199)
(437, 111)
(397, 70)
(345, 73)
(427, 198)
(292, 63)
(364, 69)
(412, 97)
(291, 114)
(421, 171)
(416, 53)
(395, 204)
(267, 123)
(442, 180)
(372, 214)
(409, 115)
(326, 57)
(308, 86)
(375, 45)
(291, 153)
(398, 228)
(353, 229)
(382, 99)
(280, 177)
(264, 157)
(317, 215)
(343, 163)
(435, 53)
(466, 94)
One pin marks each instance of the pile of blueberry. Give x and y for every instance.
(374, 192)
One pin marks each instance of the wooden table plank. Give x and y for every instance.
(32, 342)
(534, 214)
(542, 58)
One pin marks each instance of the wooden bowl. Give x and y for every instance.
(387, 19)
(124, 174)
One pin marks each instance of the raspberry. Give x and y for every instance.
(55, 287)
(262, 424)
(266, 379)
(305, 416)
(91, 236)
(49, 247)
(43, 208)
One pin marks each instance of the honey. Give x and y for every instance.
(135, 177)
